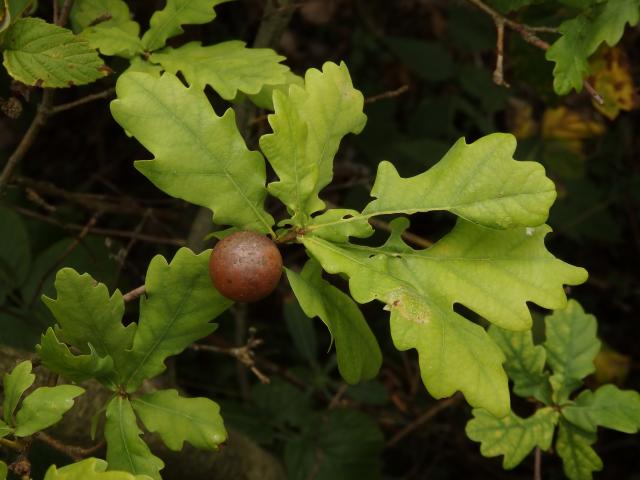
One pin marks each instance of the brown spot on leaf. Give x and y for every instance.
(105, 69)
(39, 82)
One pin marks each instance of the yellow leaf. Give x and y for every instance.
(563, 123)
(520, 118)
(611, 77)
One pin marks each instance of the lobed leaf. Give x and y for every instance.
(89, 469)
(480, 182)
(4, 429)
(228, 67)
(90, 319)
(524, 363)
(607, 407)
(573, 445)
(205, 160)
(41, 54)
(44, 407)
(57, 357)
(512, 436)
(571, 346)
(308, 126)
(359, 356)
(582, 35)
(15, 384)
(492, 272)
(126, 450)
(107, 26)
(167, 23)
(178, 419)
(180, 302)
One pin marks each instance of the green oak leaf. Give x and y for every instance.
(41, 54)
(308, 126)
(571, 346)
(15, 384)
(607, 407)
(359, 356)
(178, 419)
(331, 225)
(573, 445)
(512, 436)
(90, 319)
(44, 407)
(107, 26)
(15, 254)
(18, 8)
(205, 160)
(264, 98)
(179, 304)
(126, 450)
(524, 363)
(228, 67)
(167, 23)
(89, 469)
(4, 470)
(480, 182)
(582, 35)
(57, 357)
(4, 429)
(492, 272)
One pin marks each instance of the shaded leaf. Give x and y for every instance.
(524, 363)
(15, 384)
(301, 330)
(359, 356)
(179, 304)
(512, 436)
(571, 346)
(15, 255)
(89, 318)
(612, 79)
(126, 450)
(57, 357)
(44, 407)
(4, 470)
(492, 272)
(39, 53)
(178, 419)
(573, 445)
(4, 430)
(607, 407)
(89, 469)
(168, 22)
(308, 126)
(228, 67)
(582, 35)
(204, 160)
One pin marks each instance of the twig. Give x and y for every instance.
(179, 242)
(135, 293)
(81, 101)
(537, 465)
(424, 418)
(12, 444)
(245, 354)
(528, 34)
(335, 401)
(498, 73)
(28, 139)
(390, 94)
(74, 452)
(64, 13)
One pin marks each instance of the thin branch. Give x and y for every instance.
(135, 293)
(389, 94)
(74, 452)
(178, 242)
(537, 466)
(63, 18)
(16, 445)
(28, 139)
(424, 418)
(498, 73)
(81, 101)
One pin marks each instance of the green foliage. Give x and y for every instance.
(581, 37)
(3, 470)
(39, 53)
(15, 384)
(126, 450)
(227, 67)
(204, 160)
(168, 22)
(89, 469)
(569, 352)
(44, 407)
(15, 256)
(107, 26)
(512, 436)
(359, 356)
(177, 419)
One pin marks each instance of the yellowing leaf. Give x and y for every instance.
(569, 127)
(612, 79)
